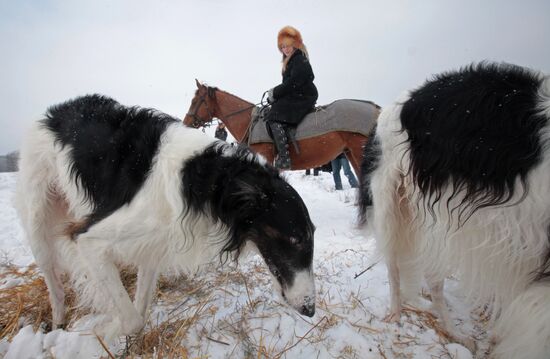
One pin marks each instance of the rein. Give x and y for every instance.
(200, 122)
(242, 110)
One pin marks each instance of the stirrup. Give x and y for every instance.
(282, 164)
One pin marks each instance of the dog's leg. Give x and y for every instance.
(397, 237)
(45, 258)
(395, 289)
(387, 225)
(523, 330)
(146, 286)
(440, 307)
(106, 282)
(41, 210)
(52, 277)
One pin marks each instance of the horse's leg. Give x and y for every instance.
(354, 153)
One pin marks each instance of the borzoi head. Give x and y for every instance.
(259, 207)
(283, 234)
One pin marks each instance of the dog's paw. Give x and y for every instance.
(467, 342)
(392, 317)
(133, 325)
(109, 330)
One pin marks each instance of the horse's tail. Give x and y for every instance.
(371, 154)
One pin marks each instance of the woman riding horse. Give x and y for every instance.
(295, 97)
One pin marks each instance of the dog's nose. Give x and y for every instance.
(308, 309)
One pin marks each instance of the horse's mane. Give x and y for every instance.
(225, 92)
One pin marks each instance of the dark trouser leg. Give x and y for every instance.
(349, 174)
(280, 140)
(336, 165)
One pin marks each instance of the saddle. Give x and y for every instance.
(356, 116)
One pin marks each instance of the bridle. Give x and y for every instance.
(200, 122)
(197, 121)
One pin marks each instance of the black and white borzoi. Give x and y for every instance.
(461, 186)
(101, 184)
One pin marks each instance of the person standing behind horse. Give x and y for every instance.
(221, 132)
(295, 97)
(341, 162)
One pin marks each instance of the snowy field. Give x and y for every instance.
(231, 312)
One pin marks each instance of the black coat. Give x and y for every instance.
(296, 96)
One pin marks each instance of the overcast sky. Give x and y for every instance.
(148, 53)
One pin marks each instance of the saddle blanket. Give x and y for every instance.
(357, 116)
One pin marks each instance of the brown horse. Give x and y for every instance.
(236, 113)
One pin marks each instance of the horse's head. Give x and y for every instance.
(201, 110)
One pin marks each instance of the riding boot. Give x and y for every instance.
(280, 140)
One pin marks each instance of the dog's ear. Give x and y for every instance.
(251, 196)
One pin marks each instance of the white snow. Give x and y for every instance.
(243, 316)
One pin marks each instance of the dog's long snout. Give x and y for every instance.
(301, 294)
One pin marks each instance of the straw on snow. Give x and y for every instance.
(191, 304)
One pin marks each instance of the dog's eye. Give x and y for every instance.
(275, 273)
(293, 240)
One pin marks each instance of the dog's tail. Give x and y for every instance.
(371, 155)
